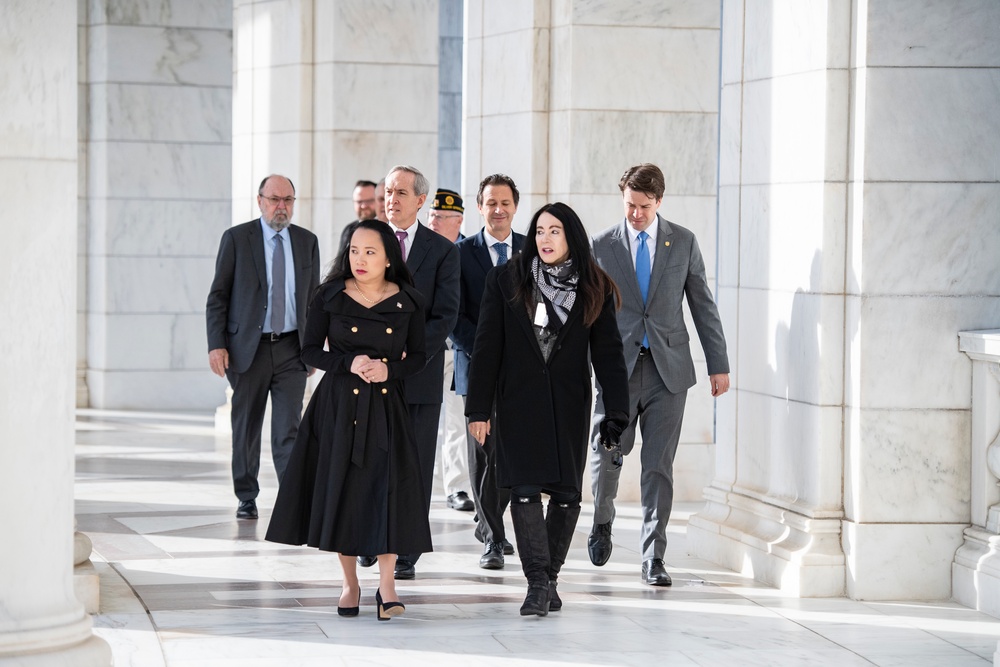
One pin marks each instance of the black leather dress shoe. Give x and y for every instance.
(247, 510)
(404, 569)
(508, 548)
(367, 561)
(654, 574)
(599, 543)
(461, 501)
(492, 558)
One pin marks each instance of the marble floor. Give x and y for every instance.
(184, 584)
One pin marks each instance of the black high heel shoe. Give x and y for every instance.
(387, 610)
(350, 611)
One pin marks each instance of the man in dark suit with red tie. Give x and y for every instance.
(497, 201)
(433, 261)
(265, 272)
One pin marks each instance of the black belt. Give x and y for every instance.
(274, 338)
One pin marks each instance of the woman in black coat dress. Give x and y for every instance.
(546, 316)
(353, 484)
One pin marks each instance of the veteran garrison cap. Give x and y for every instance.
(447, 200)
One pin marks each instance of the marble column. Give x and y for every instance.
(155, 115)
(858, 201)
(564, 96)
(976, 569)
(328, 92)
(41, 621)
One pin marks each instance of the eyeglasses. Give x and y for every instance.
(287, 201)
(369, 202)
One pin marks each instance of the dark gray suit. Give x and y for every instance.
(433, 261)
(660, 376)
(235, 313)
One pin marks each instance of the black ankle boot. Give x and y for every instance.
(560, 523)
(533, 550)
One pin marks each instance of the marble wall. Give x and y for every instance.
(858, 203)
(451, 29)
(556, 97)
(155, 108)
(327, 92)
(41, 620)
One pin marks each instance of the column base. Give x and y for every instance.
(975, 573)
(778, 546)
(94, 652)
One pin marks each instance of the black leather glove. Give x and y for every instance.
(611, 432)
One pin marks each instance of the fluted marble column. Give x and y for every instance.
(976, 570)
(41, 621)
(850, 256)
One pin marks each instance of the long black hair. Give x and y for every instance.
(594, 285)
(396, 272)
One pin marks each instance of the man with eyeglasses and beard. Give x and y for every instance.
(265, 271)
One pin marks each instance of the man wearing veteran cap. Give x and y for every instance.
(445, 218)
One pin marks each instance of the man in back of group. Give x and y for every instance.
(365, 208)
(445, 217)
(497, 201)
(656, 265)
(265, 272)
(433, 261)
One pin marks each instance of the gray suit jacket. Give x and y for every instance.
(678, 271)
(238, 297)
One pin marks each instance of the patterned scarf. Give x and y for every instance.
(557, 283)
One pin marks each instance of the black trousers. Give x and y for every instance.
(424, 417)
(490, 500)
(276, 370)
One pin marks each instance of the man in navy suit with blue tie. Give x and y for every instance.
(497, 201)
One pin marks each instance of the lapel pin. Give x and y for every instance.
(666, 244)
(399, 305)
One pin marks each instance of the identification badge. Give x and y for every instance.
(541, 316)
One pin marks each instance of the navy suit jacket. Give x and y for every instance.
(476, 264)
(433, 261)
(237, 299)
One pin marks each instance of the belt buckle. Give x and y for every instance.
(274, 337)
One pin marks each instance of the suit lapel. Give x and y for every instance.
(256, 240)
(660, 259)
(420, 247)
(621, 249)
(482, 253)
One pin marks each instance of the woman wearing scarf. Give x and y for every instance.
(547, 315)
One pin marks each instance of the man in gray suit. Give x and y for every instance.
(656, 264)
(265, 272)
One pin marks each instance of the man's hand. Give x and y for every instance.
(719, 384)
(479, 430)
(218, 361)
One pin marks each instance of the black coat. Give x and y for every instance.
(543, 409)
(353, 482)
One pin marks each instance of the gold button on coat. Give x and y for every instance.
(354, 330)
(385, 391)
(389, 330)
(356, 391)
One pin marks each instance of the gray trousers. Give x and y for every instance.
(658, 413)
(276, 370)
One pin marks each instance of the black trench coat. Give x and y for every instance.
(543, 410)
(353, 484)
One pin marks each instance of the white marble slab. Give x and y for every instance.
(354, 97)
(142, 112)
(365, 32)
(149, 227)
(152, 54)
(166, 390)
(929, 33)
(175, 13)
(793, 37)
(515, 73)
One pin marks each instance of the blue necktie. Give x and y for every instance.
(501, 249)
(642, 273)
(278, 286)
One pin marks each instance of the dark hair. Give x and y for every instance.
(498, 179)
(594, 285)
(260, 188)
(396, 272)
(645, 178)
(364, 184)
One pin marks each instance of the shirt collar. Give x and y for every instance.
(652, 230)
(490, 240)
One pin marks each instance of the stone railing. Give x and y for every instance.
(976, 569)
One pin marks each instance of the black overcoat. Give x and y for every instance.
(353, 482)
(543, 409)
